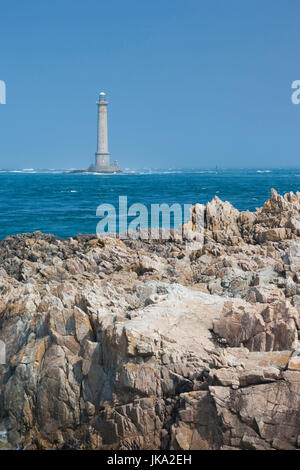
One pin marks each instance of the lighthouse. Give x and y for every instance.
(102, 156)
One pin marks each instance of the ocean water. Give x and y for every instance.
(65, 204)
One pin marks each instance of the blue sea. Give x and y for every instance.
(52, 201)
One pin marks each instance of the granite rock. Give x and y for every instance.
(147, 344)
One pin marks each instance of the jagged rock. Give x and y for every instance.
(264, 328)
(147, 344)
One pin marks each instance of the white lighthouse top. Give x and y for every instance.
(102, 97)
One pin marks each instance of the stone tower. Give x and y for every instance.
(102, 154)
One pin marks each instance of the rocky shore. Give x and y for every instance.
(136, 344)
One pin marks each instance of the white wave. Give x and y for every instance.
(69, 191)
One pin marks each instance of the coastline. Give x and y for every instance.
(143, 344)
(66, 204)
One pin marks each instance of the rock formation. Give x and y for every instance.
(140, 344)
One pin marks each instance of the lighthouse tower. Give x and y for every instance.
(102, 156)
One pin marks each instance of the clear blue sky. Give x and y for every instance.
(190, 83)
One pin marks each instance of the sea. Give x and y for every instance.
(64, 204)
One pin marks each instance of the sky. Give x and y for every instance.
(190, 83)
